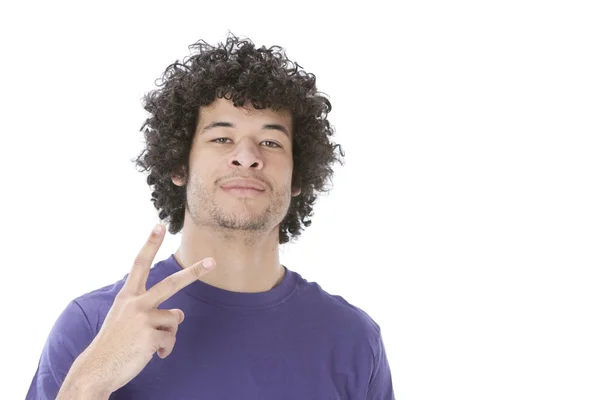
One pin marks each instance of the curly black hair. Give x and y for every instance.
(240, 72)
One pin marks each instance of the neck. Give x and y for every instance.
(246, 261)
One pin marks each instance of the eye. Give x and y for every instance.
(273, 143)
(270, 142)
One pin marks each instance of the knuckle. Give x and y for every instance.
(172, 321)
(139, 261)
(174, 332)
(121, 296)
(122, 300)
(171, 339)
(154, 239)
(170, 282)
(197, 269)
(170, 335)
(163, 338)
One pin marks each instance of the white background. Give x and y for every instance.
(465, 221)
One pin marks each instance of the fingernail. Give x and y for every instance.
(208, 263)
(158, 228)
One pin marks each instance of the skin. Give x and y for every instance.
(241, 233)
(133, 330)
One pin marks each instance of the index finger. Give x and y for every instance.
(136, 281)
(173, 283)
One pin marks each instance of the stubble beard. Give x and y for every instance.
(240, 218)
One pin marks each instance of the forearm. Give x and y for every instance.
(76, 391)
(79, 391)
(80, 386)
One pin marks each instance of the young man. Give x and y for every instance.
(237, 147)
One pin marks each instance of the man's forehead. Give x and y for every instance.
(223, 106)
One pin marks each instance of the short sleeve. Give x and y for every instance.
(380, 385)
(70, 335)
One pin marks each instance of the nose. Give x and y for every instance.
(247, 156)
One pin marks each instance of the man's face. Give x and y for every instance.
(234, 142)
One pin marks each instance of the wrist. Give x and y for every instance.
(80, 384)
(79, 389)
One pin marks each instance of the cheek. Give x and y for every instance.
(286, 167)
(203, 167)
(286, 180)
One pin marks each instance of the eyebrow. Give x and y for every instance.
(217, 124)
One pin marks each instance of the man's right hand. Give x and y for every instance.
(134, 329)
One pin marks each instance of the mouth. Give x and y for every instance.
(247, 187)
(241, 191)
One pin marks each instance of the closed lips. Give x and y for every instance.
(243, 184)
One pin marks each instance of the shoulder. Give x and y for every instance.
(338, 312)
(72, 332)
(349, 335)
(95, 304)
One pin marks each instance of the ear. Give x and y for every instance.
(296, 192)
(178, 176)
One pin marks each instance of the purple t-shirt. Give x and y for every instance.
(294, 341)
